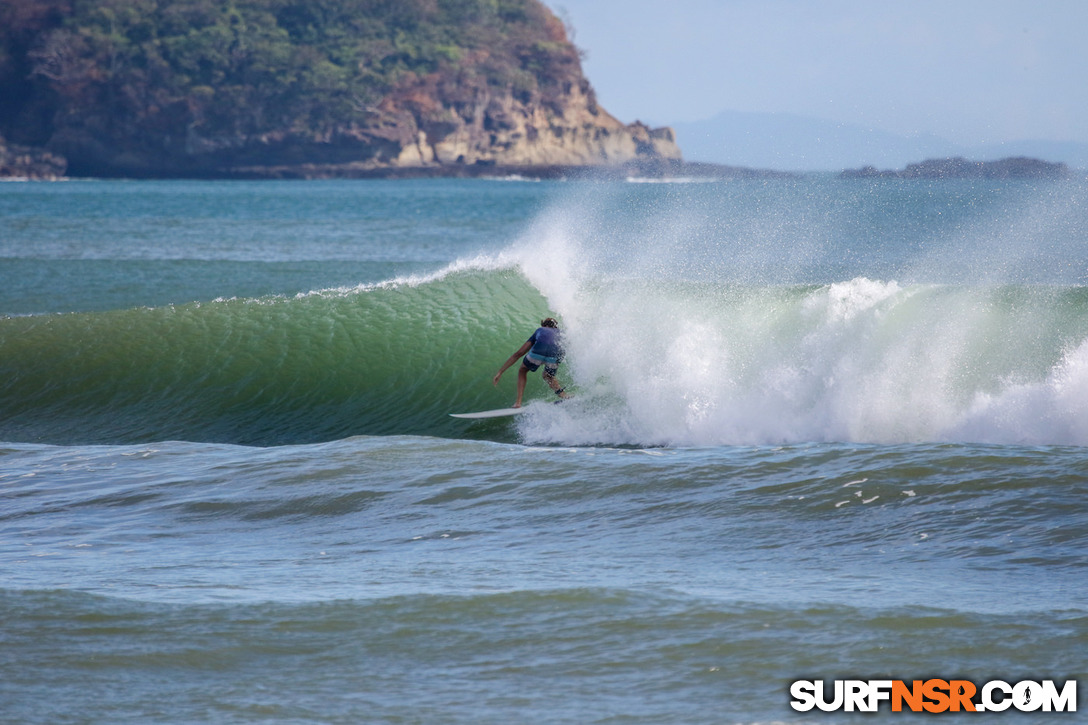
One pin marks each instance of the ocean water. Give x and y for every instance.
(821, 429)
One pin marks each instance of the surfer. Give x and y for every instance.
(545, 348)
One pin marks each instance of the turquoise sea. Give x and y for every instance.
(821, 429)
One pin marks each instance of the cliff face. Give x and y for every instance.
(425, 125)
(502, 130)
(286, 87)
(25, 162)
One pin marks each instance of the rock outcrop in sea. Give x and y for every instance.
(960, 168)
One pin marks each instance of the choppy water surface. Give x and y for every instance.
(821, 429)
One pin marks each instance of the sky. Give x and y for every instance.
(969, 71)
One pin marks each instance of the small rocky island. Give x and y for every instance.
(960, 168)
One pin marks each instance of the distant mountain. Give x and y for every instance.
(800, 143)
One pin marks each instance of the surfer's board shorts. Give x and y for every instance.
(551, 366)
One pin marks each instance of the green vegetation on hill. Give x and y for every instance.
(148, 74)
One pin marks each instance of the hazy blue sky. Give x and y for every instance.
(971, 71)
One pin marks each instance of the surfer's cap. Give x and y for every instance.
(549, 322)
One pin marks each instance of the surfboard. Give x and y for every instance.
(499, 413)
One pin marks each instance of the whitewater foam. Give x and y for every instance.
(1050, 411)
(863, 361)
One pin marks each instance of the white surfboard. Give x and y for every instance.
(500, 413)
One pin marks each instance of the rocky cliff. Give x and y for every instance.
(160, 88)
(24, 162)
(421, 129)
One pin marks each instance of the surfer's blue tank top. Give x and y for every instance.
(546, 345)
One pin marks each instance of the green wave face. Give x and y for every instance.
(383, 359)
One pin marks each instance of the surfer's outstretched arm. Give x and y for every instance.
(511, 360)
